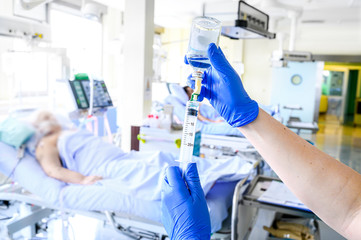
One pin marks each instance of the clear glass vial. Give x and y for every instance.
(204, 30)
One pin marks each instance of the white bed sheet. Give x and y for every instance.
(100, 196)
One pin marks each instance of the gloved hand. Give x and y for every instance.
(184, 211)
(222, 86)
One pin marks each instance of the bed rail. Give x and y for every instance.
(132, 231)
(236, 199)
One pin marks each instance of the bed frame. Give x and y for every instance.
(129, 225)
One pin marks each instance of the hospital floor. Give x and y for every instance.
(341, 142)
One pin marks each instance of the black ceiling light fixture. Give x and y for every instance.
(251, 23)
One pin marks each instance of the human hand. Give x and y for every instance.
(89, 180)
(184, 211)
(222, 86)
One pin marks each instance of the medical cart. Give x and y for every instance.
(249, 205)
(296, 123)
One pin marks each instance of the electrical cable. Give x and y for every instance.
(20, 155)
(11, 173)
(5, 217)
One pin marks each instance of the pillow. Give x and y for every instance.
(29, 174)
(208, 111)
(177, 91)
(178, 108)
(14, 132)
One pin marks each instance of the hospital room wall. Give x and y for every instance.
(342, 39)
(285, 93)
(9, 76)
(113, 59)
(257, 77)
(234, 50)
(20, 65)
(315, 38)
(135, 85)
(256, 53)
(5, 44)
(175, 43)
(6, 8)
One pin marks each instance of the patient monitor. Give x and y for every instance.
(81, 92)
(92, 104)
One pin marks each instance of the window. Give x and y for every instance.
(28, 70)
(24, 74)
(82, 39)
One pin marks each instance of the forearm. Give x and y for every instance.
(66, 175)
(202, 118)
(326, 186)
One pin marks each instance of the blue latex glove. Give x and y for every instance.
(184, 211)
(223, 87)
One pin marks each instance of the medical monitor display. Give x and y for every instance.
(81, 92)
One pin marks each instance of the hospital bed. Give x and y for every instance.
(178, 99)
(136, 221)
(125, 224)
(217, 139)
(296, 123)
(205, 145)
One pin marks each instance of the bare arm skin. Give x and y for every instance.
(329, 188)
(200, 117)
(48, 156)
(204, 119)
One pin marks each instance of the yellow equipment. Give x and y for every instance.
(323, 104)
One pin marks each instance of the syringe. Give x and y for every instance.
(189, 130)
(190, 120)
(205, 30)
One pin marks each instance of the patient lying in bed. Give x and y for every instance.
(206, 113)
(47, 152)
(210, 122)
(127, 182)
(78, 157)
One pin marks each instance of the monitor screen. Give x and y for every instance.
(81, 92)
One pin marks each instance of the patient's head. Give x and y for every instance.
(189, 91)
(46, 123)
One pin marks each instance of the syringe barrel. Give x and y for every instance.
(189, 129)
